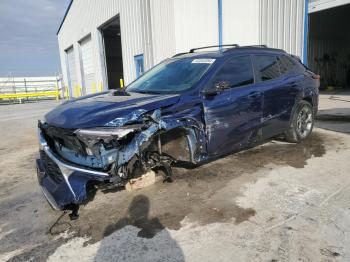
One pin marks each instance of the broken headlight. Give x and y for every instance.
(105, 132)
(108, 135)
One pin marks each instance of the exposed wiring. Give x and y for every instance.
(56, 223)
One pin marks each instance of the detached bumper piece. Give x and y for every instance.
(63, 184)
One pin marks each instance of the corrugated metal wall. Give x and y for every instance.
(161, 28)
(241, 22)
(147, 35)
(86, 16)
(156, 28)
(196, 24)
(329, 58)
(282, 24)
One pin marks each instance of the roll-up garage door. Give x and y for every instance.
(88, 65)
(72, 72)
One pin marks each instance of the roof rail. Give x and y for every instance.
(261, 46)
(205, 47)
(179, 54)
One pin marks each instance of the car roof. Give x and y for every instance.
(230, 51)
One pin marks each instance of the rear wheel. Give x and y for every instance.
(301, 124)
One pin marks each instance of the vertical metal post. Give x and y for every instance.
(306, 31)
(57, 90)
(25, 87)
(36, 91)
(220, 22)
(14, 88)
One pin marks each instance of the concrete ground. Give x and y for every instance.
(334, 113)
(276, 202)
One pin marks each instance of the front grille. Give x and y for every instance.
(51, 168)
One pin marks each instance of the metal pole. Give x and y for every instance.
(36, 91)
(57, 90)
(14, 88)
(25, 87)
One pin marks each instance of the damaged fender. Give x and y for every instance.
(108, 148)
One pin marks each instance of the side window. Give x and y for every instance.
(266, 67)
(286, 64)
(238, 71)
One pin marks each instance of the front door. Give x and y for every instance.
(232, 115)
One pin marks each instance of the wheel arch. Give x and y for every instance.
(179, 143)
(309, 100)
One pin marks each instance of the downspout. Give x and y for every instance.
(147, 34)
(220, 21)
(306, 31)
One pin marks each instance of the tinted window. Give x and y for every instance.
(286, 64)
(298, 65)
(266, 67)
(237, 72)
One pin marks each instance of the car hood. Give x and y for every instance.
(98, 110)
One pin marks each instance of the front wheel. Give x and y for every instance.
(301, 124)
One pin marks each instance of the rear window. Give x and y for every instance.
(286, 64)
(289, 65)
(266, 67)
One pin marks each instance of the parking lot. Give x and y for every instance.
(275, 202)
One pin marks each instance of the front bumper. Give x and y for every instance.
(63, 183)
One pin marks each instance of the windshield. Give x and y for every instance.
(172, 76)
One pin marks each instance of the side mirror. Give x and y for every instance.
(218, 87)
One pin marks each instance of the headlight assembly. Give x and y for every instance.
(107, 132)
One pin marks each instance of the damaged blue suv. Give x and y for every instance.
(192, 108)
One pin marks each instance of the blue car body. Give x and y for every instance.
(192, 126)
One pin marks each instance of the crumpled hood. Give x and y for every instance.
(98, 110)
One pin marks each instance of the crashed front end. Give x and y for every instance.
(70, 159)
(109, 156)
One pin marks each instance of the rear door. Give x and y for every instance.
(233, 115)
(279, 91)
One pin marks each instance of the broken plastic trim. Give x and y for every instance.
(121, 121)
(90, 137)
(65, 167)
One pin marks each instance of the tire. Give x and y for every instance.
(301, 124)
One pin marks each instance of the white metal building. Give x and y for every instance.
(104, 41)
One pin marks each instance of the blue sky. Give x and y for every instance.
(28, 41)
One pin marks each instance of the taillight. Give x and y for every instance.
(318, 79)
